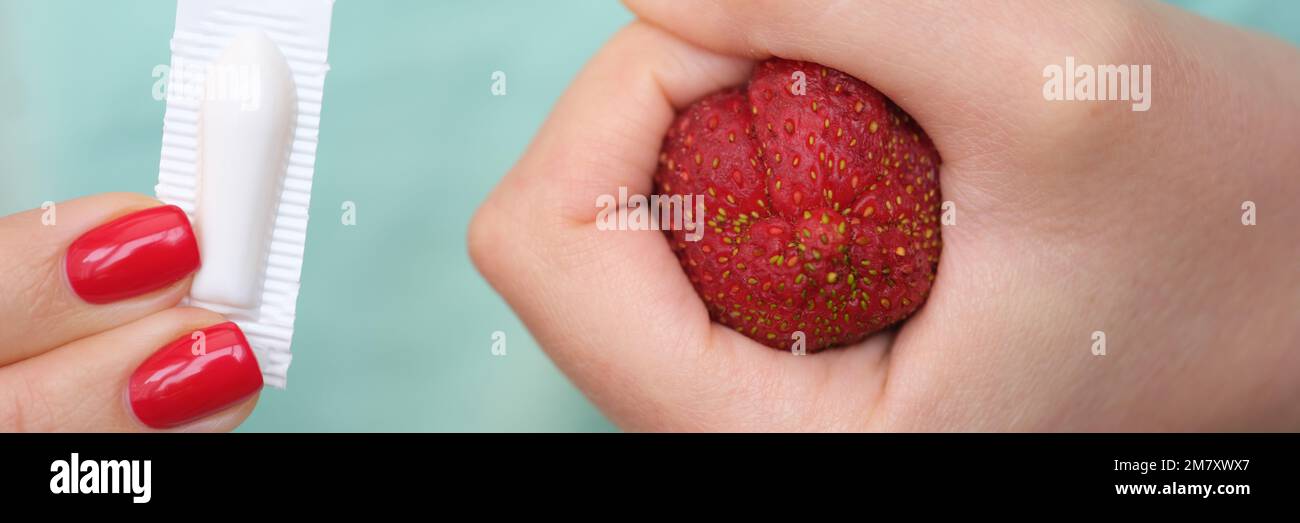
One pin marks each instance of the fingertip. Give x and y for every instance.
(225, 420)
(196, 376)
(152, 248)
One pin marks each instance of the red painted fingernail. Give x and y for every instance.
(194, 376)
(141, 252)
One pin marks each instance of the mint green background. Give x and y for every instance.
(394, 324)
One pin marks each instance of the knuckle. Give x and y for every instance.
(485, 239)
(1110, 68)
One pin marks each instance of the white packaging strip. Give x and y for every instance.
(300, 30)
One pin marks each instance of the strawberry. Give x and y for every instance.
(821, 205)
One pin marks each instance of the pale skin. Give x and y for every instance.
(64, 363)
(1071, 218)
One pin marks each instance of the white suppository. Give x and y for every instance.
(244, 152)
(239, 151)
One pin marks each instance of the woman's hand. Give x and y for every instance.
(90, 339)
(1074, 222)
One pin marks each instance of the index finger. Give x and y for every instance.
(957, 67)
(83, 266)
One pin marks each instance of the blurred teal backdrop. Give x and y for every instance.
(394, 325)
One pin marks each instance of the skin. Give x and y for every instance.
(64, 363)
(1071, 217)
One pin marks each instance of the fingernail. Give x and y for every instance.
(194, 376)
(138, 253)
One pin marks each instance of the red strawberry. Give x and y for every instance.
(822, 205)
